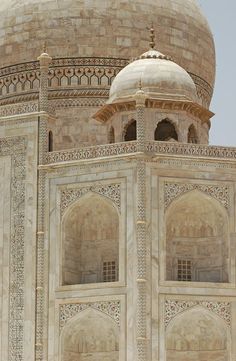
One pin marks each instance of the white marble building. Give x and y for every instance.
(118, 231)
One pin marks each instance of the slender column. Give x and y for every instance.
(142, 342)
(40, 345)
(140, 98)
(44, 61)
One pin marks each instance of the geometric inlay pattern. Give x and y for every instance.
(173, 190)
(70, 195)
(110, 308)
(16, 148)
(174, 308)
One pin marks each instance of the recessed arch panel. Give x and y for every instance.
(90, 336)
(197, 335)
(90, 241)
(197, 234)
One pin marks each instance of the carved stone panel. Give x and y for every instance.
(70, 195)
(16, 148)
(110, 308)
(173, 189)
(174, 308)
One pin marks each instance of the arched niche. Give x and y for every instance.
(197, 335)
(197, 235)
(192, 135)
(165, 131)
(90, 241)
(91, 336)
(111, 135)
(50, 141)
(130, 131)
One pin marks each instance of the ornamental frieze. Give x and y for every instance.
(70, 310)
(172, 190)
(174, 308)
(71, 195)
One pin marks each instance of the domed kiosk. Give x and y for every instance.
(158, 77)
(161, 84)
(90, 42)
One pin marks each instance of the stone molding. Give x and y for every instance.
(19, 108)
(197, 164)
(63, 73)
(16, 148)
(172, 190)
(151, 148)
(71, 195)
(67, 72)
(174, 308)
(70, 310)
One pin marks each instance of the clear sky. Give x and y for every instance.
(222, 20)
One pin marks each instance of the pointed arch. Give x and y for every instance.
(197, 334)
(91, 335)
(90, 241)
(197, 239)
(111, 135)
(130, 131)
(165, 131)
(192, 135)
(50, 141)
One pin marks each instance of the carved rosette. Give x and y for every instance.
(110, 308)
(71, 195)
(174, 308)
(172, 190)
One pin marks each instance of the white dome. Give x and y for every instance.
(158, 76)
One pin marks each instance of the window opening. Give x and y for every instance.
(165, 131)
(109, 271)
(50, 141)
(184, 270)
(192, 136)
(131, 132)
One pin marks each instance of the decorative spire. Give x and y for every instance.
(45, 47)
(44, 63)
(140, 84)
(152, 37)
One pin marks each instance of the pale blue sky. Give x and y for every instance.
(221, 17)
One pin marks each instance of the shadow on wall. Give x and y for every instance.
(197, 237)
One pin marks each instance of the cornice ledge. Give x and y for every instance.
(185, 105)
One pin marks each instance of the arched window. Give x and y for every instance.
(197, 236)
(50, 141)
(90, 242)
(111, 135)
(130, 132)
(165, 131)
(192, 135)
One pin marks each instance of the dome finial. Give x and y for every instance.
(140, 84)
(152, 37)
(45, 47)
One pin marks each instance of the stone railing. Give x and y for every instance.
(100, 151)
(152, 148)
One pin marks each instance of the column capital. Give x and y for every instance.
(140, 98)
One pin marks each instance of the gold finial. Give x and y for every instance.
(152, 37)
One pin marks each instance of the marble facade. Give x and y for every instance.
(112, 250)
